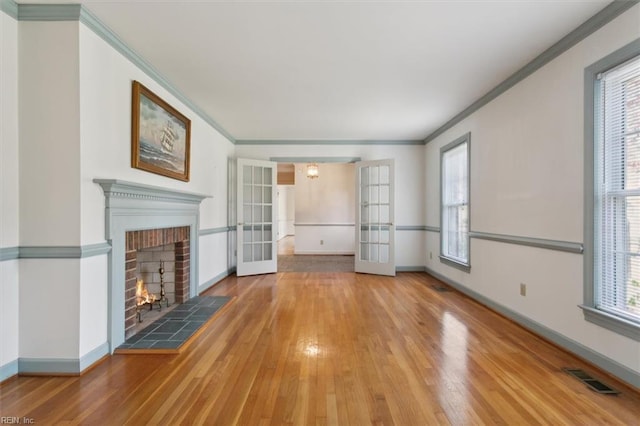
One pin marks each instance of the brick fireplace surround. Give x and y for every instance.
(139, 214)
(138, 240)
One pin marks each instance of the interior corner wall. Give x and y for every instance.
(527, 149)
(49, 113)
(409, 194)
(49, 176)
(9, 196)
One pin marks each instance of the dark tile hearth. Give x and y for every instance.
(177, 326)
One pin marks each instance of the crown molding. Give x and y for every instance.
(327, 142)
(99, 28)
(9, 7)
(79, 13)
(76, 12)
(597, 21)
(49, 12)
(315, 159)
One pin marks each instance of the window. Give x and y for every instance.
(612, 213)
(454, 216)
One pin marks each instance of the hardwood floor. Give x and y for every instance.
(288, 261)
(334, 348)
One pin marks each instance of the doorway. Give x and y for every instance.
(317, 218)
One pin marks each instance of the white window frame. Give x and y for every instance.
(456, 262)
(592, 313)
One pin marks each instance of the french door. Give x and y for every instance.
(375, 232)
(257, 217)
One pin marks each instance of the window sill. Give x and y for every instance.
(455, 264)
(611, 322)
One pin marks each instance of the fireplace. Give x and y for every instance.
(146, 251)
(139, 216)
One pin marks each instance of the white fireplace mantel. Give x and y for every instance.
(130, 207)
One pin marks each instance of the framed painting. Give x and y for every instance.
(160, 135)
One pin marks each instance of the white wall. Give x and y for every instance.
(75, 126)
(50, 309)
(286, 210)
(9, 189)
(527, 180)
(49, 113)
(105, 128)
(290, 228)
(105, 88)
(409, 194)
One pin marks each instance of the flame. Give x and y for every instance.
(142, 294)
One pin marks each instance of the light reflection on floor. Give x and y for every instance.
(453, 393)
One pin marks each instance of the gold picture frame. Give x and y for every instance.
(160, 135)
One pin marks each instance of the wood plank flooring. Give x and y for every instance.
(334, 348)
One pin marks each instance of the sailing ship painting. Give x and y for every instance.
(162, 136)
(168, 138)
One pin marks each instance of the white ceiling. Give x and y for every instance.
(361, 70)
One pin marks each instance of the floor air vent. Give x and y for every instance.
(593, 384)
(439, 288)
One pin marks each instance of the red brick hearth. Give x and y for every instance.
(138, 240)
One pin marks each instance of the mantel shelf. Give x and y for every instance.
(115, 188)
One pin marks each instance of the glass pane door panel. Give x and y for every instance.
(364, 252)
(257, 252)
(384, 214)
(373, 251)
(257, 233)
(257, 175)
(384, 175)
(384, 235)
(257, 214)
(257, 195)
(247, 194)
(373, 214)
(364, 195)
(246, 211)
(374, 175)
(246, 234)
(384, 194)
(364, 234)
(374, 221)
(364, 177)
(384, 253)
(364, 214)
(375, 195)
(246, 252)
(267, 194)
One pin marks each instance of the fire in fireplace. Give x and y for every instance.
(156, 272)
(145, 297)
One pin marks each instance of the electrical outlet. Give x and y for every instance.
(321, 242)
(523, 289)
